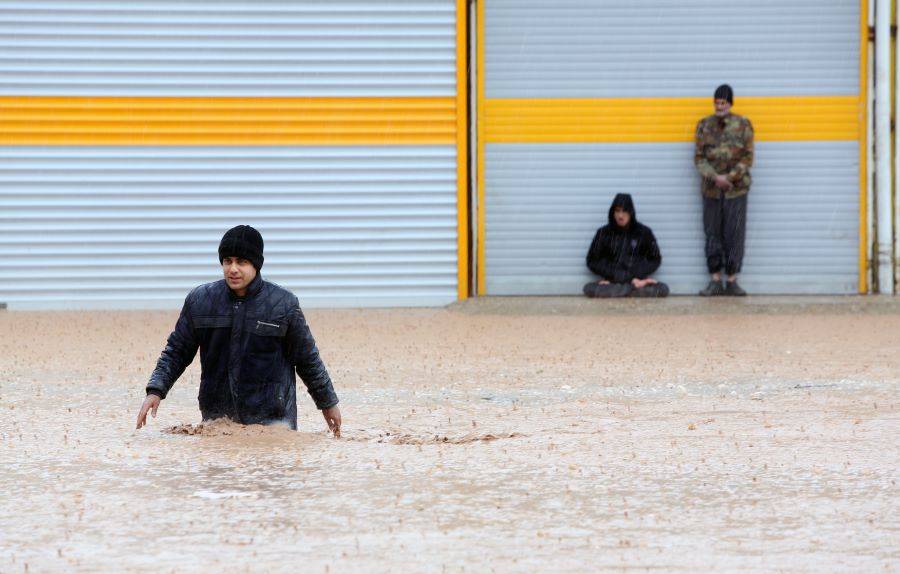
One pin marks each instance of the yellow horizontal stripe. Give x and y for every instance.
(633, 120)
(226, 121)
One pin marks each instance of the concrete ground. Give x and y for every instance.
(685, 305)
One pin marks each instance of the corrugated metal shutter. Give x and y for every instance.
(231, 48)
(802, 228)
(543, 201)
(138, 225)
(641, 48)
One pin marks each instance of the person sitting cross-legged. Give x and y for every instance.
(624, 254)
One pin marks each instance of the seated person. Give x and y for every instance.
(624, 254)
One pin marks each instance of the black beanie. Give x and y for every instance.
(724, 92)
(242, 241)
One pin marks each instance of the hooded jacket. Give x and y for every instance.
(621, 254)
(249, 348)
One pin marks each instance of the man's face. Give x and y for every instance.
(722, 107)
(238, 272)
(622, 217)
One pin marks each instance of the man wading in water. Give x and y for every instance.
(252, 336)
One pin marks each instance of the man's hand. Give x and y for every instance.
(333, 418)
(723, 183)
(603, 282)
(641, 283)
(151, 403)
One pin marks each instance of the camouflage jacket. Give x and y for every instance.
(724, 146)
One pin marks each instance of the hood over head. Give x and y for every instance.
(622, 200)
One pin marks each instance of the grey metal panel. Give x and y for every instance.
(139, 226)
(544, 203)
(666, 48)
(231, 48)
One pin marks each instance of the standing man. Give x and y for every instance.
(723, 156)
(252, 335)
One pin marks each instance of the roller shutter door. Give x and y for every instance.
(135, 133)
(580, 100)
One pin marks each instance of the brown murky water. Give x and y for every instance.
(473, 442)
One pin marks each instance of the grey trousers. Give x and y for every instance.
(614, 290)
(725, 225)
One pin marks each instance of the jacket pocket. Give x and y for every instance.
(264, 350)
(266, 328)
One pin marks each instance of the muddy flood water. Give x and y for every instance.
(476, 438)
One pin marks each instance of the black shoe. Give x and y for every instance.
(591, 289)
(712, 289)
(732, 289)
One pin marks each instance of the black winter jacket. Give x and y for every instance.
(622, 254)
(249, 349)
